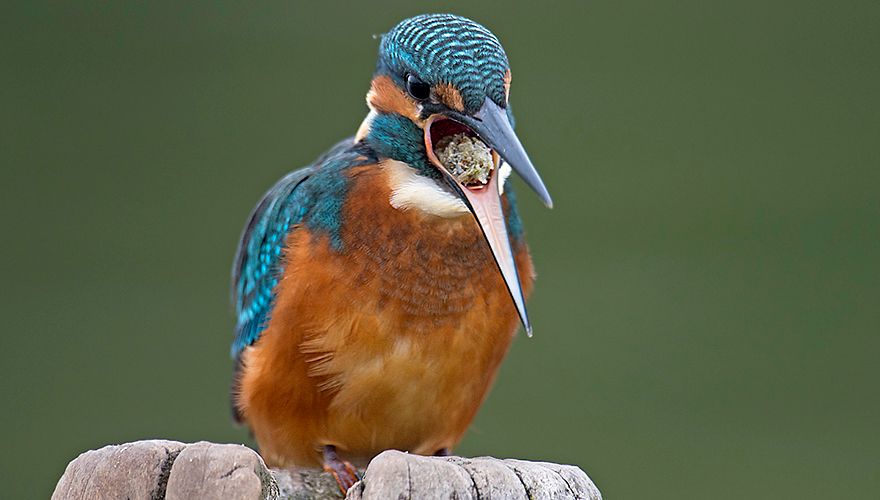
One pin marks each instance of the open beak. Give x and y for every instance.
(491, 125)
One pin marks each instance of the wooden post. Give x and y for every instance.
(159, 469)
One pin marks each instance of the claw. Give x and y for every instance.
(342, 471)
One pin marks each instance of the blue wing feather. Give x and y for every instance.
(311, 195)
(257, 262)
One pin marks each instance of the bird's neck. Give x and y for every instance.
(396, 137)
(409, 190)
(413, 182)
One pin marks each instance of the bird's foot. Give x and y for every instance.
(443, 452)
(343, 472)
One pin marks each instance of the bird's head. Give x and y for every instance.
(442, 78)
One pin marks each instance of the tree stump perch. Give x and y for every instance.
(158, 469)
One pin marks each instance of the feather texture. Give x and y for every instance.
(444, 48)
(391, 342)
(311, 195)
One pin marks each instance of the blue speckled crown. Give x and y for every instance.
(443, 48)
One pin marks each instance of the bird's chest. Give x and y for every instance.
(407, 323)
(419, 271)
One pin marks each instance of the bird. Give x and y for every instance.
(377, 290)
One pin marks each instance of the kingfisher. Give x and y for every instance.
(378, 289)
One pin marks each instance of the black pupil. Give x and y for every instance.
(417, 88)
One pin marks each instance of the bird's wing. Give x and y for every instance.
(257, 266)
(258, 261)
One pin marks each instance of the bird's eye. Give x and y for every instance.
(417, 88)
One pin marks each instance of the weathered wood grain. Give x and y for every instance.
(160, 469)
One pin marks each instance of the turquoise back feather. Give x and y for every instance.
(312, 196)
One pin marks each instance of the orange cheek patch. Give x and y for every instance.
(386, 97)
(450, 96)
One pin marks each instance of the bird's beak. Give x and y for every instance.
(492, 126)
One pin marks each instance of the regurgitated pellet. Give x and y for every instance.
(467, 158)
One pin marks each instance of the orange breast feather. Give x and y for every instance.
(391, 343)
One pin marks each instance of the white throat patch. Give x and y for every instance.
(411, 190)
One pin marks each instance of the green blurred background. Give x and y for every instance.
(708, 306)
